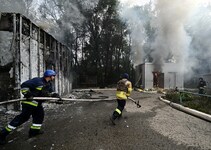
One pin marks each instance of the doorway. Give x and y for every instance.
(158, 80)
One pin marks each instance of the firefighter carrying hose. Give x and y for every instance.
(36, 87)
(124, 88)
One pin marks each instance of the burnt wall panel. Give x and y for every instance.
(41, 59)
(34, 58)
(25, 58)
(62, 65)
(6, 87)
(6, 53)
(26, 51)
(56, 65)
(6, 66)
(59, 68)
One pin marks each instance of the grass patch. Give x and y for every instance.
(200, 103)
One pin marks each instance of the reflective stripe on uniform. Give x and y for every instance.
(10, 128)
(36, 126)
(24, 90)
(117, 110)
(33, 103)
(39, 88)
(121, 95)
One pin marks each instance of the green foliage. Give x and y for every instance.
(96, 36)
(172, 96)
(200, 103)
(106, 51)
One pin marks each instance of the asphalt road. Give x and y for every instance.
(86, 126)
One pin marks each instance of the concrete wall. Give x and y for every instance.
(148, 76)
(172, 76)
(26, 51)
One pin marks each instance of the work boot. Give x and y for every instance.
(112, 120)
(33, 133)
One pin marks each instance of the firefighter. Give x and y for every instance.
(201, 86)
(36, 87)
(124, 88)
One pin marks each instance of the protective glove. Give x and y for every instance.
(45, 93)
(28, 95)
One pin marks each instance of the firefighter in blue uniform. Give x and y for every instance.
(36, 87)
(124, 88)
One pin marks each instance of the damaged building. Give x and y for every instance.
(169, 78)
(26, 51)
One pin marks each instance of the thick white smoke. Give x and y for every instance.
(137, 33)
(181, 32)
(200, 52)
(136, 21)
(172, 38)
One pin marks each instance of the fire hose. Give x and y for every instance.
(57, 100)
(134, 101)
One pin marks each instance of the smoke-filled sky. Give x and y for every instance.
(181, 32)
(134, 2)
(161, 30)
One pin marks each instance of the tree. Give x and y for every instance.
(107, 46)
(96, 37)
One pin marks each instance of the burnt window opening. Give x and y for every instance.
(48, 41)
(6, 22)
(34, 32)
(42, 36)
(25, 27)
(51, 43)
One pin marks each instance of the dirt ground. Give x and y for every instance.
(86, 126)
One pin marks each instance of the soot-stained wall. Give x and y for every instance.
(26, 51)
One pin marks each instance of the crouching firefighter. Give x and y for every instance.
(36, 87)
(124, 88)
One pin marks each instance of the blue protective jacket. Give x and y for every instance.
(36, 87)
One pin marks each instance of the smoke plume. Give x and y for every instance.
(136, 18)
(177, 35)
(200, 51)
(172, 40)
